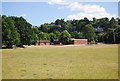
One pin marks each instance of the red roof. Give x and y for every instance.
(44, 41)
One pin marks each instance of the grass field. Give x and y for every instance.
(61, 62)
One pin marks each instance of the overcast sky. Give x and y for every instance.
(45, 12)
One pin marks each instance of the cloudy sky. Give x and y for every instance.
(45, 12)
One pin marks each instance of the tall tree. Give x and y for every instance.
(24, 29)
(43, 36)
(65, 37)
(59, 21)
(113, 22)
(88, 32)
(57, 33)
(111, 31)
(52, 37)
(0, 31)
(10, 35)
(117, 33)
(94, 20)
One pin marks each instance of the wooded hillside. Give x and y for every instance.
(16, 30)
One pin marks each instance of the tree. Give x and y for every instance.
(78, 35)
(35, 34)
(102, 23)
(113, 22)
(113, 31)
(117, 34)
(52, 37)
(43, 36)
(86, 20)
(24, 29)
(94, 20)
(10, 36)
(100, 37)
(81, 24)
(59, 21)
(25, 34)
(54, 28)
(57, 33)
(0, 31)
(88, 32)
(44, 27)
(65, 37)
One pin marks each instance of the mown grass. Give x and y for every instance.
(0, 64)
(61, 62)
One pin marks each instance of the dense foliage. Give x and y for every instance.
(65, 37)
(16, 30)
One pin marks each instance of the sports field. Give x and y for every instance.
(61, 62)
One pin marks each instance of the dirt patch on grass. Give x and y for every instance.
(80, 45)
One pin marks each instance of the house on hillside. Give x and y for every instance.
(79, 41)
(99, 30)
(42, 42)
(51, 24)
(34, 26)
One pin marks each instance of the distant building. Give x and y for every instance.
(34, 26)
(59, 26)
(98, 30)
(57, 42)
(79, 41)
(42, 42)
(51, 24)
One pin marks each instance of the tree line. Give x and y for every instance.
(17, 31)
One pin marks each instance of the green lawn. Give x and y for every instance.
(61, 62)
(0, 64)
